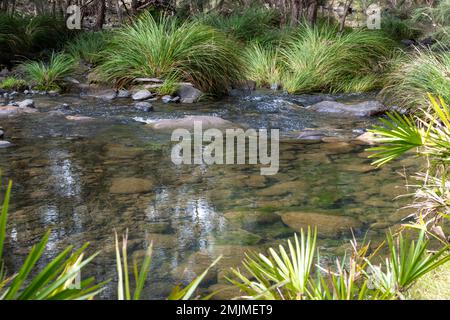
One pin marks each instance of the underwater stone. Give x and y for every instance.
(328, 225)
(130, 185)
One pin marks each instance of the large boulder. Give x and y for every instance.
(6, 111)
(130, 186)
(188, 94)
(362, 109)
(141, 95)
(188, 123)
(327, 225)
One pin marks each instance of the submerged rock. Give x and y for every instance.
(362, 109)
(141, 95)
(130, 185)
(6, 111)
(188, 123)
(144, 106)
(327, 225)
(79, 118)
(188, 94)
(252, 217)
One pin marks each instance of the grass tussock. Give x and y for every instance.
(48, 76)
(26, 37)
(167, 48)
(12, 83)
(87, 46)
(415, 75)
(322, 59)
(263, 64)
(253, 24)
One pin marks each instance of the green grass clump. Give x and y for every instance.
(167, 49)
(12, 83)
(26, 37)
(169, 86)
(322, 59)
(247, 25)
(415, 75)
(48, 76)
(263, 64)
(88, 46)
(399, 29)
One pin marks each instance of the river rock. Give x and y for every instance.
(27, 103)
(2, 133)
(279, 189)
(5, 144)
(362, 109)
(106, 95)
(141, 95)
(144, 106)
(123, 94)
(6, 111)
(327, 225)
(337, 147)
(130, 185)
(169, 99)
(119, 151)
(366, 137)
(252, 217)
(188, 123)
(188, 94)
(79, 118)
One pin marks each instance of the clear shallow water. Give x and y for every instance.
(63, 171)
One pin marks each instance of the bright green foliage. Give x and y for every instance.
(56, 281)
(166, 48)
(414, 75)
(124, 290)
(289, 274)
(282, 275)
(12, 83)
(322, 59)
(431, 135)
(48, 76)
(408, 261)
(263, 64)
(88, 46)
(253, 24)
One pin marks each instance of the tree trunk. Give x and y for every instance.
(100, 20)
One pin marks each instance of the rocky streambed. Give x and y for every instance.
(84, 166)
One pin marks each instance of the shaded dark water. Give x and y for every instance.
(63, 172)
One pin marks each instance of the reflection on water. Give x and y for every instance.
(64, 171)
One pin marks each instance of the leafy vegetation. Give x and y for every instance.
(48, 76)
(58, 280)
(166, 48)
(289, 274)
(87, 46)
(322, 59)
(12, 83)
(29, 37)
(413, 75)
